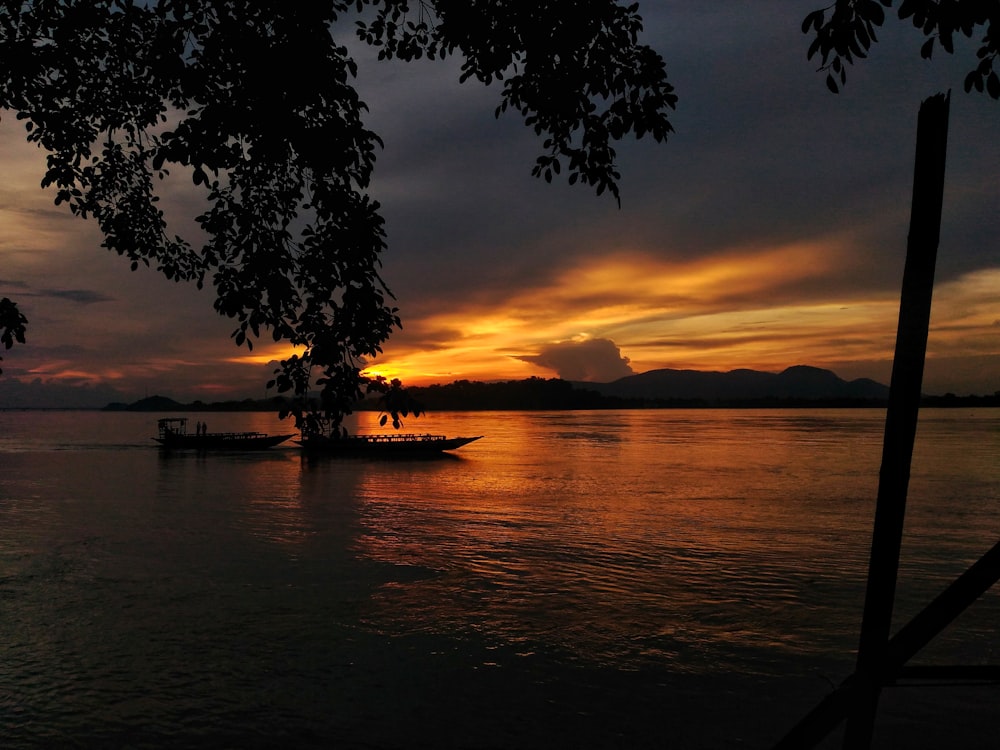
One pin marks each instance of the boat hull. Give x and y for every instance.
(378, 445)
(221, 441)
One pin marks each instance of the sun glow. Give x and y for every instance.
(753, 308)
(263, 354)
(387, 373)
(660, 313)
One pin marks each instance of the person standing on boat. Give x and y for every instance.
(197, 429)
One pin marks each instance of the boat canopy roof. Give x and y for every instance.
(172, 426)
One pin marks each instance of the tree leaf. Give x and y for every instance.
(993, 85)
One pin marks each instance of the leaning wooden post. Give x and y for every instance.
(901, 417)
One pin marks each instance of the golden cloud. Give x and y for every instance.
(661, 313)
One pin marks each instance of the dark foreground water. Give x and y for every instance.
(661, 579)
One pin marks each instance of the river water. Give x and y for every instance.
(677, 578)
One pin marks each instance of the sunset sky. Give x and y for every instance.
(769, 231)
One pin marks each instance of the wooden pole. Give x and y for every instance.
(940, 613)
(883, 660)
(901, 417)
(912, 637)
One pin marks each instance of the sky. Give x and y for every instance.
(768, 231)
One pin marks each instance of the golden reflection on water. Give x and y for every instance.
(608, 533)
(263, 491)
(276, 509)
(620, 535)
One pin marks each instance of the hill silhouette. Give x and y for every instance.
(796, 386)
(798, 382)
(150, 403)
(165, 404)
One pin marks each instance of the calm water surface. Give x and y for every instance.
(580, 579)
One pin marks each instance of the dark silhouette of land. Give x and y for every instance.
(799, 382)
(165, 404)
(796, 387)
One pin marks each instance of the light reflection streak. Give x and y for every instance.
(707, 540)
(615, 549)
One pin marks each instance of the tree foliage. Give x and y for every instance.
(12, 324)
(574, 70)
(845, 31)
(256, 101)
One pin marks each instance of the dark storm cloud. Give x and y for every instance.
(761, 149)
(80, 296)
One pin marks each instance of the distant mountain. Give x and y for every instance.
(529, 394)
(150, 403)
(163, 403)
(796, 383)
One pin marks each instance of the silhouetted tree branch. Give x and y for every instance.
(845, 31)
(255, 100)
(575, 71)
(12, 324)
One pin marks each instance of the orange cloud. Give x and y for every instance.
(263, 353)
(661, 313)
(763, 308)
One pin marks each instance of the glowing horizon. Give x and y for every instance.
(653, 327)
(707, 334)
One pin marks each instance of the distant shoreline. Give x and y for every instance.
(927, 402)
(796, 387)
(554, 394)
(249, 405)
